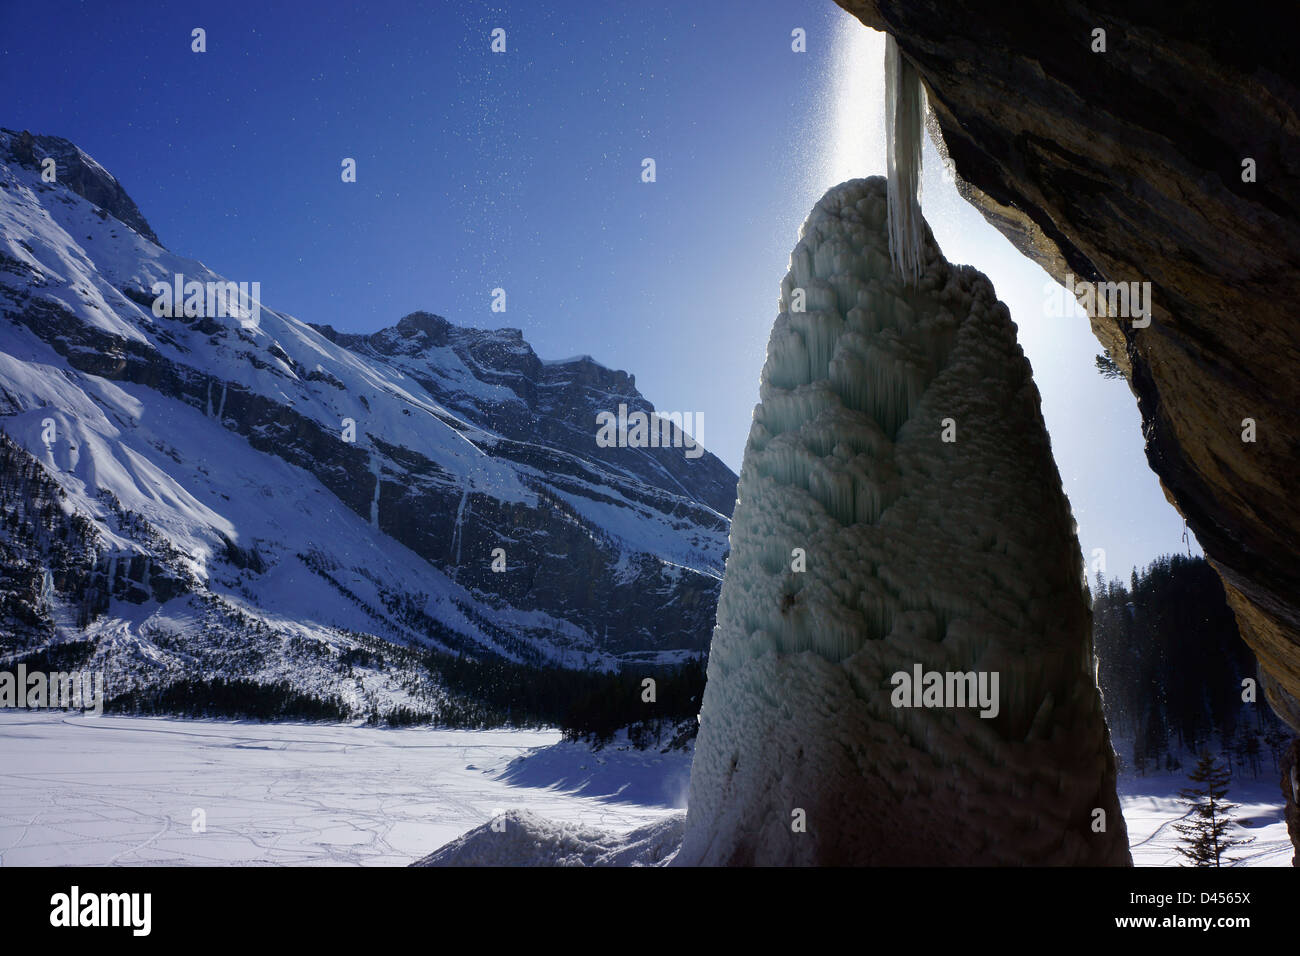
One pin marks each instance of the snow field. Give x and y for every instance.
(122, 791)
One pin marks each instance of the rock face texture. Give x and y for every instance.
(76, 170)
(1127, 165)
(1291, 791)
(899, 515)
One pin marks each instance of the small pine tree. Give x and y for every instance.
(1107, 367)
(1206, 835)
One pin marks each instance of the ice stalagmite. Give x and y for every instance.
(899, 513)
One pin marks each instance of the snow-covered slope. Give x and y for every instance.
(228, 507)
(523, 838)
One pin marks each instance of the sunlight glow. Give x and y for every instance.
(854, 116)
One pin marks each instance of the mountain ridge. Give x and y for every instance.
(324, 483)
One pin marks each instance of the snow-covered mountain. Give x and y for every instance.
(255, 495)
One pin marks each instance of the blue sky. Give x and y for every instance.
(522, 171)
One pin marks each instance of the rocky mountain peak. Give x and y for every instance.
(79, 172)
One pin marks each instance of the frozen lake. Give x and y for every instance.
(123, 791)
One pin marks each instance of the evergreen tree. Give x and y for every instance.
(1171, 663)
(1107, 367)
(1206, 835)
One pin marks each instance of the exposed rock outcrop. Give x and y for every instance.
(1291, 791)
(85, 177)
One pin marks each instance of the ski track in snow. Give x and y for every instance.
(122, 791)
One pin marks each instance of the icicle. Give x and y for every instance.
(904, 111)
